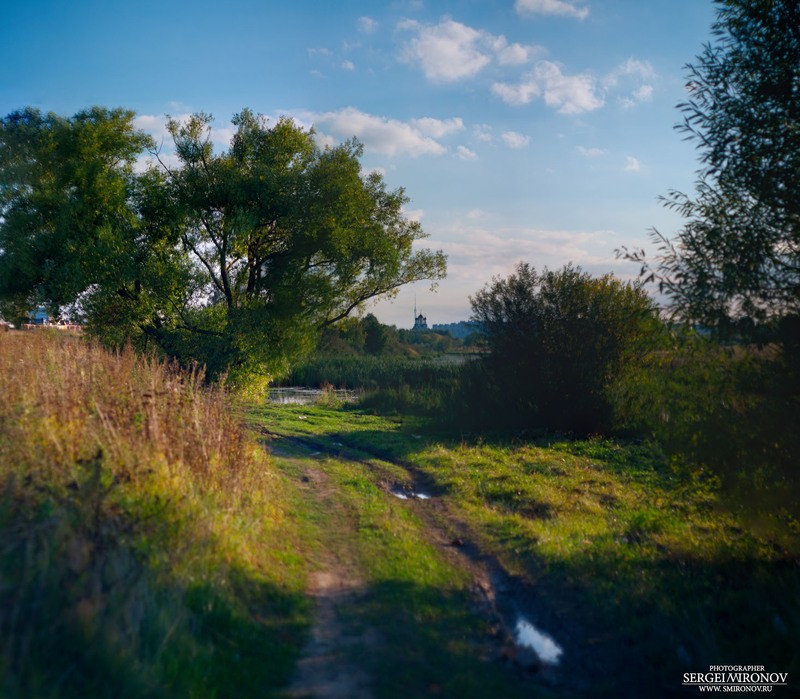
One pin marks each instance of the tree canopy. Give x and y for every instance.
(235, 259)
(738, 254)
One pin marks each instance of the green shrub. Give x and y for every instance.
(556, 341)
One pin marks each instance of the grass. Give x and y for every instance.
(367, 372)
(391, 385)
(417, 605)
(639, 553)
(146, 540)
(150, 548)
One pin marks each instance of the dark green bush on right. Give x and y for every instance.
(556, 341)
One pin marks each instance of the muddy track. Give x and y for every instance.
(505, 600)
(326, 668)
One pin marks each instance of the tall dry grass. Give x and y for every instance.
(65, 400)
(130, 501)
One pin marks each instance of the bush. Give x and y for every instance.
(556, 341)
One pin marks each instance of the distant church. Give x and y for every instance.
(420, 321)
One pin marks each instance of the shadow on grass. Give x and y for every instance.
(85, 613)
(639, 624)
(434, 643)
(632, 613)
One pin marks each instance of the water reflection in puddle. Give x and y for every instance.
(529, 636)
(307, 396)
(409, 494)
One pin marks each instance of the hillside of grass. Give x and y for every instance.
(146, 542)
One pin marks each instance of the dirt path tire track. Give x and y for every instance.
(498, 596)
(326, 669)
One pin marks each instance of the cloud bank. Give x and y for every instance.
(450, 51)
(551, 7)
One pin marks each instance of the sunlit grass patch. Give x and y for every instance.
(143, 532)
(624, 540)
(419, 605)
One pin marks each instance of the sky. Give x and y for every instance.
(521, 130)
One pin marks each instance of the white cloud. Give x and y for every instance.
(568, 94)
(632, 68)
(632, 164)
(144, 162)
(551, 7)
(446, 52)
(483, 133)
(414, 214)
(156, 126)
(517, 95)
(348, 65)
(222, 136)
(591, 152)
(476, 253)
(466, 154)
(639, 95)
(437, 128)
(515, 140)
(319, 52)
(381, 135)
(367, 25)
(324, 140)
(451, 51)
(636, 76)
(513, 54)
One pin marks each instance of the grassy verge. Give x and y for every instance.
(146, 544)
(413, 609)
(637, 553)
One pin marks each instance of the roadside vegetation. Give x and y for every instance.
(395, 370)
(147, 544)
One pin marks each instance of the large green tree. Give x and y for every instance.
(235, 259)
(66, 222)
(738, 253)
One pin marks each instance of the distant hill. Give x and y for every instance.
(459, 330)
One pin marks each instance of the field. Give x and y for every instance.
(161, 540)
(634, 567)
(147, 547)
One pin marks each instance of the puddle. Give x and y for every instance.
(409, 494)
(528, 636)
(307, 396)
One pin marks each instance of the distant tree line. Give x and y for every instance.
(368, 336)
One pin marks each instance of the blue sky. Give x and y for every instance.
(536, 130)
